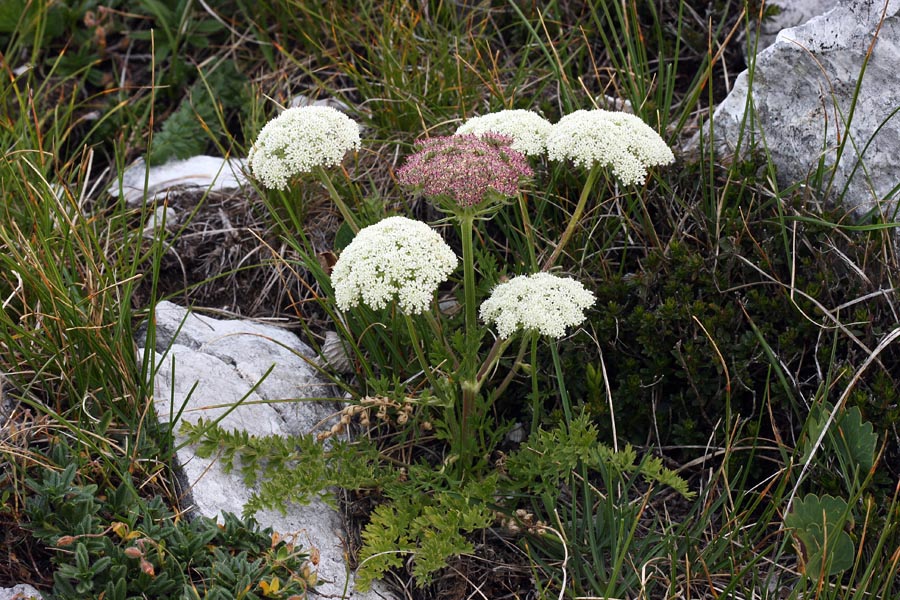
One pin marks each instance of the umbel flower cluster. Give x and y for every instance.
(465, 169)
(299, 140)
(620, 141)
(527, 129)
(395, 259)
(540, 302)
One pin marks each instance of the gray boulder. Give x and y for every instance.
(803, 95)
(205, 368)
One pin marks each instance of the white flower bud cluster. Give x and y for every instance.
(395, 259)
(541, 302)
(300, 139)
(617, 140)
(527, 129)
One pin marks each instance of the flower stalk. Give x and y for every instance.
(420, 354)
(336, 198)
(576, 216)
(467, 225)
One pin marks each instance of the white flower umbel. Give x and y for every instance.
(394, 259)
(527, 129)
(617, 140)
(299, 140)
(541, 302)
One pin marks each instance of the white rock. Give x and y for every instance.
(206, 172)
(802, 92)
(207, 366)
(792, 13)
(304, 100)
(23, 591)
(163, 217)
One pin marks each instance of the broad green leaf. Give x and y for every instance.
(849, 437)
(817, 525)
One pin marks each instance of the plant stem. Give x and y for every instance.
(529, 231)
(576, 216)
(535, 389)
(469, 387)
(493, 356)
(336, 198)
(466, 224)
(420, 354)
(517, 363)
(561, 383)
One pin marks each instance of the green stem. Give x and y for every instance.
(493, 356)
(468, 402)
(467, 224)
(469, 386)
(517, 363)
(535, 388)
(336, 198)
(420, 354)
(529, 231)
(576, 216)
(561, 383)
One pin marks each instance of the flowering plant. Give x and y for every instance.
(541, 302)
(467, 176)
(395, 259)
(446, 370)
(618, 140)
(466, 170)
(597, 139)
(304, 139)
(300, 139)
(527, 129)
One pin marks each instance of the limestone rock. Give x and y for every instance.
(23, 591)
(205, 367)
(803, 90)
(791, 14)
(140, 183)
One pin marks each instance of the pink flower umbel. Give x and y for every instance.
(464, 171)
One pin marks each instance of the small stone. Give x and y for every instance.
(163, 217)
(23, 591)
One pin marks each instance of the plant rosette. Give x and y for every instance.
(466, 175)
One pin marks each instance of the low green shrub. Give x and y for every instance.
(689, 332)
(113, 543)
